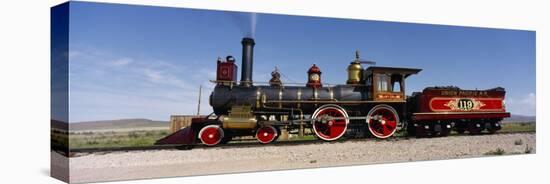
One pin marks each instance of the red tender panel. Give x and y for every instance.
(438, 104)
(448, 116)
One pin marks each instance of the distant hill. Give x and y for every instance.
(520, 118)
(117, 124)
(59, 124)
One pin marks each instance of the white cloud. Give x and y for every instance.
(206, 73)
(152, 75)
(529, 100)
(524, 105)
(122, 61)
(127, 86)
(161, 77)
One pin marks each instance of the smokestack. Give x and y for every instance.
(248, 55)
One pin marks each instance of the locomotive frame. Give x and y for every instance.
(373, 101)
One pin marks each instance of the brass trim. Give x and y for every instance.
(258, 96)
(315, 94)
(331, 92)
(292, 83)
(299, 96)
(471, 98)
(240, 117)
(280, 97)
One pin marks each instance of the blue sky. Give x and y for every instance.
(148, 62)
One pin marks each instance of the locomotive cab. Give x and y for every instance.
(387, 83)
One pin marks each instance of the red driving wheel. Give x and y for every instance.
(266, 134)
(330, 122)
(382, 121)
(211, 135)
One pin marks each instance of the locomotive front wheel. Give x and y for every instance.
(382, 121)
(330, 122)
(266, 134)
(211, 135)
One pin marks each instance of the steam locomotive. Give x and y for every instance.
(372, 102)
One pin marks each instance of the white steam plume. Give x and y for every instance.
(246, 22)
(253, 18)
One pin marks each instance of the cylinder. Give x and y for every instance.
(247, 61)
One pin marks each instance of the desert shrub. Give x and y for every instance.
(140, 142)
(133, 135)
(498, 151)
(92, 142)
(528, 149)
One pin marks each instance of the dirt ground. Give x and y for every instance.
(202, 161)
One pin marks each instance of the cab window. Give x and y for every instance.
(368, 82)
(396, 83)
(382, 82)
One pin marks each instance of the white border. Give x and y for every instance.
(25, 89)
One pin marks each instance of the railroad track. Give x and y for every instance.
(188, 147)
(254, 144)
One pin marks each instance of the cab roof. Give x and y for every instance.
(406, 72)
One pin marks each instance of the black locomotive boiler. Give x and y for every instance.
(372, 101)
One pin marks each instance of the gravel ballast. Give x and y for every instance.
(169, 163)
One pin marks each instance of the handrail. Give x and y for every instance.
(293, 83)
